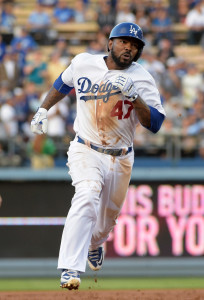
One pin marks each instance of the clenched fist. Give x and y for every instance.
(39, 121)
(126, 85)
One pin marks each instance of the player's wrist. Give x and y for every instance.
(134, 98)
(42, 110)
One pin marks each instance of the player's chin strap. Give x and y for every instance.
(113, 152)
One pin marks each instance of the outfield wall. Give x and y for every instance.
(160, 231)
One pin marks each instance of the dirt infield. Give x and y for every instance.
(187, 294)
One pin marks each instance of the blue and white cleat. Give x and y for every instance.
(70, 279)
(95, 258)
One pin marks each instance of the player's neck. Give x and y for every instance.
(111, 65)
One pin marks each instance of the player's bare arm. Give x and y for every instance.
(142, 111)
(52, 98)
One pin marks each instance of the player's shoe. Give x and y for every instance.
(70, 279)
(95, 258)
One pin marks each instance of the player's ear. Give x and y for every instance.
(110, 44)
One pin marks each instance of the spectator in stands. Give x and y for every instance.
(32, 96)
(21, 62)
(22, 44)
(140, 141)
(94, 47)
(174, 109)
(41, 151)
(124, 13)
(48, 3)
(8, 119)
(2, 48)
(165, 50)
(201, 149)
(192, 3)
(7, 22)
(198, 111)
(182, 11)
(61, 47)
(36, 69)
(190, 83)
(143, 19)
(9, 69)
(152, 7)
(39, 23)
(102, 39)
(62, 13)
(105, 17)
(21, 107)
(173, 9)
(80, 11)
(188, 146)
(162, 26)
(166, 133)
(23, 41)
(170, 81)
(188, 140)
(70, 120)
(195, 24)
(99, 45)
(113, 4)
(55, 66)
(198, 107)
(5, 92)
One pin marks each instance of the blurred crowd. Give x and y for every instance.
(26, 74)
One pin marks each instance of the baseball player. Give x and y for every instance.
(113, 94)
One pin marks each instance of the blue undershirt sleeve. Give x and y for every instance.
(61, 87)
(157, 119)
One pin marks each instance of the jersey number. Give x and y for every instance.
(117, 110)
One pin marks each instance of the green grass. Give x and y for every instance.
(103, 283)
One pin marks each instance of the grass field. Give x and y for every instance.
(40, 284)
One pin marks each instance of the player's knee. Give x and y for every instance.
(92, 185)
(88, 196)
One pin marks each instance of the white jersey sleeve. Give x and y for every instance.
(146, 87)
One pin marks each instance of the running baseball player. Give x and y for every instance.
(113, 94)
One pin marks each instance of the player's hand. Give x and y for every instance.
(39, 121)
(126, 85)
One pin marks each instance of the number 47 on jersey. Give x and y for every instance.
(117, 110)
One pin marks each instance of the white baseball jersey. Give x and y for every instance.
(104, 116)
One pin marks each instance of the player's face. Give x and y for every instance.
(123, 51)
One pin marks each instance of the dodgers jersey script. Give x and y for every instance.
(105, 116)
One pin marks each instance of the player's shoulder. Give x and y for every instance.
(137, 66)
(137, 69)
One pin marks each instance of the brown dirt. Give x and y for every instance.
(187, 294)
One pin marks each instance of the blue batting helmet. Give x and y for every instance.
(127, 29)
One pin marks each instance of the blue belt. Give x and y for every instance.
(113, 152)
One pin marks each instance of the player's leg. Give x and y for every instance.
(87, 177)
(112, 199)
(77, 233)
(79, 226)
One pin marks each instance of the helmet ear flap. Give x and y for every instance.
(139, 53)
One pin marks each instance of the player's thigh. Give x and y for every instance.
(84, 165)
(120, 179)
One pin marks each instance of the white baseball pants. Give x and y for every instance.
(101, 182)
